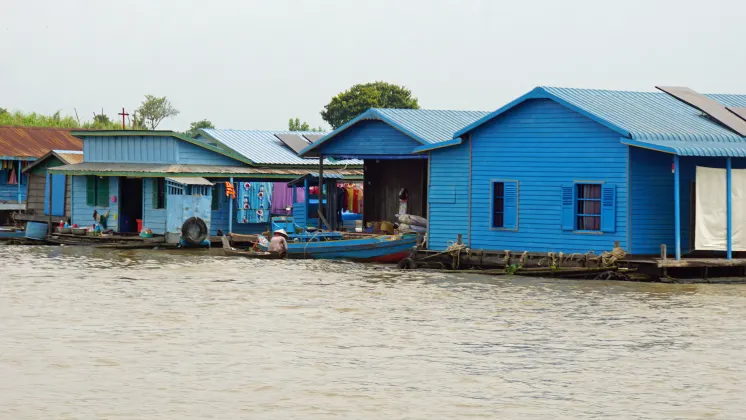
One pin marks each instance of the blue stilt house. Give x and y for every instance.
(156, 179)
(576, 170)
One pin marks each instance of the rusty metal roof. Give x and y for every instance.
(67, 157)
(35, 142)
(209, 171)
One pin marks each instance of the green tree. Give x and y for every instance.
(294, 124)
(193, 127)
(154, 110)
(359, 98)
(3, 110)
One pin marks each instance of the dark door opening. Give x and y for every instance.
(130, 204)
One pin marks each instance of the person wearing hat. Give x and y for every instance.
(279, 243)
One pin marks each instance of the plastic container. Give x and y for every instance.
(139, 225)
(35, 230)
(79, 231)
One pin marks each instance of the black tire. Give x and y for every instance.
(406, 264)
(194, 231)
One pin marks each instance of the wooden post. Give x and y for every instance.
(230, 212)
(321, 189)
(49, 222)
(20, 175)
(664, 252)
(459, 239)
(616, 244)
(677, 205)
(729, 211)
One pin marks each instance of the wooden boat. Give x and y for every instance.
(383, 248)
(229, 251)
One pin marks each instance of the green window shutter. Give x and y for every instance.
(154, 187)
(90, 190)
(102, 192)
(216, 197)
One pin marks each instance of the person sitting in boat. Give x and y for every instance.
(279, 242)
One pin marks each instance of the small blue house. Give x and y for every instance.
(576, 170)
(155, 179)
(386, 140)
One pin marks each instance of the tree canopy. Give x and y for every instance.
(297, 125)
(196, 125)
(22, 119)
(359, 98)
(154, 110)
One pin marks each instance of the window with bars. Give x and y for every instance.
(589, 207)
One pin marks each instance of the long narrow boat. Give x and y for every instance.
(231, 252)
(384, 248)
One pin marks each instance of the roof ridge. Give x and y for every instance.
(431, 109)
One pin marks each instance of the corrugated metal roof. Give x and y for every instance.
(69, 156)
(431, 125)
(648, 119)
(648, 115)
(190, 180)
(262, 147)
(35, 142)
(313, 177)
(427, 126)
(148, 169)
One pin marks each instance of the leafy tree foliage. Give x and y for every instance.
(196, 125)
(154, 110)
(359, 98)
(297, 125)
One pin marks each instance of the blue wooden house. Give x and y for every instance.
(19, 147)
(576, 170)
(155, 179)
(386, 140)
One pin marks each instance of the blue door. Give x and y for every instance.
(58, 196)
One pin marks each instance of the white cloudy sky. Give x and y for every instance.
(253, 64)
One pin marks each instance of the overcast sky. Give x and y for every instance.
(253, 64)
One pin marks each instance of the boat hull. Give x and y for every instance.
(384, 249)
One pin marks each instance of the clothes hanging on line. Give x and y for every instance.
(254, 202)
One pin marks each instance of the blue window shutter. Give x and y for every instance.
(510, 205)
(608, 208)
(568, 207)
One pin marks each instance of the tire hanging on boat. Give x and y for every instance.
(194, 231)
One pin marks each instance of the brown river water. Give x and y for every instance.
(107, 334)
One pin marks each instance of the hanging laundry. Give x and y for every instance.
(282, 197)
(229, 190)
(12, 179)
(254, 202)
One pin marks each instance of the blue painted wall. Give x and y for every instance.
(82, 214)
(219, 217)
(652, 201)
(150, 149)
(369, 137)
(136, 149)
(9, 192)
(195, 155)
(544, 145)
(153, 219)
(448, 196)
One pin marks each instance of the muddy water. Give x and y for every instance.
(92, 334)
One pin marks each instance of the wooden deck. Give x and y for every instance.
(689, 262)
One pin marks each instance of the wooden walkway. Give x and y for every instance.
(689, 262)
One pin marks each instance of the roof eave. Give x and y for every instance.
(371, 113)
(539, 93)
(429, 147)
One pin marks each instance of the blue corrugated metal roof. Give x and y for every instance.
(262, 147)
(648, 119)
(427, 126)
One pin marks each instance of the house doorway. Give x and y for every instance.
(130, 204)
